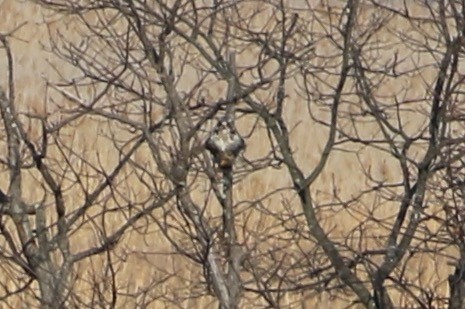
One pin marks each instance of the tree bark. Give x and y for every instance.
(457, 285)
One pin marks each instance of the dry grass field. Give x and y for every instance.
(143, 256)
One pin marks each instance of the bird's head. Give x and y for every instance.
(225, 126)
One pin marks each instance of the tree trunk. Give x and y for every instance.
(457, 287)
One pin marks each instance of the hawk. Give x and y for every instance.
(224, 143)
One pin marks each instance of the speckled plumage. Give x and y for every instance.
(225, 144)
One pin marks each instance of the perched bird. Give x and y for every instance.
(224, 143)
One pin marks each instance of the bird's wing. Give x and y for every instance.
(3, 197)
(211, 145)
(237, 145)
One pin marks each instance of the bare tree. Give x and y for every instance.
(177, 89)
(37, 237)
